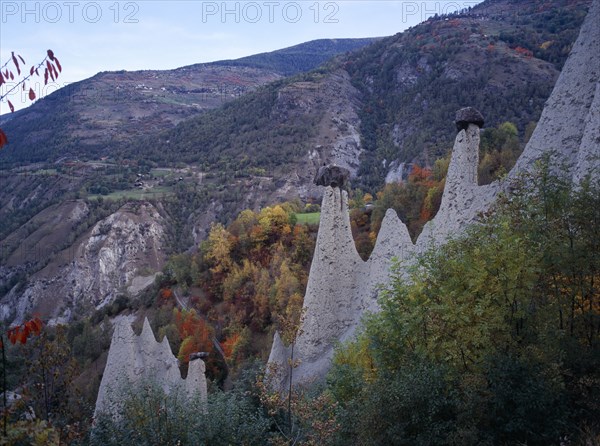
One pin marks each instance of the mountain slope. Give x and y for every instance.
(391, 102)
(501, 59)
(89, 119)
(299, 58)
(407, 88)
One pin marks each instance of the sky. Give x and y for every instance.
(92, 36)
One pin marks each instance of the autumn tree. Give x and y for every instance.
(195, 334)
(52, 372)
(500, 148)
(18, 334)
(218, 249)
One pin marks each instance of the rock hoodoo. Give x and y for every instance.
(342, 287)
(133, 360)
(462, 198)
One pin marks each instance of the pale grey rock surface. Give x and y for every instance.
(278, 372)
(140, 283)
(588, 158)
(564, 125)
(134, 360)
(118, 255)
(342, 287)
(397, 172)
(333, 283)
(462, 198)
(109, 259)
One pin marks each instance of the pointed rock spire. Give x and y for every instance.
(134, 359)
(564, 125)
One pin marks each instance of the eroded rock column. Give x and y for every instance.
(134, 360)
(461, 193)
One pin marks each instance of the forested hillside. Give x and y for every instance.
(491, 339)
(411, 85)
(377, 110)
(206, 221)
(98, 116)
(502, 353)
(502, 59)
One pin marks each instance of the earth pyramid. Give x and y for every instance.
(342, 287)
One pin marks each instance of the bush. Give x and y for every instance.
(152, 418)
(527, 402)
(413, 406)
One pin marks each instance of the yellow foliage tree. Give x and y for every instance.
(219, 249)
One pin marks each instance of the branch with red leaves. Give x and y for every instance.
(20, 333)
(3, 138)
(51, 66)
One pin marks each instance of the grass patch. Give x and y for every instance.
(40, 172)
(158, 172)
(312, 218)
(136, 194)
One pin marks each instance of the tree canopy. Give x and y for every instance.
(493, 338)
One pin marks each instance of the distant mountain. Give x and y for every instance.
(299, 58)
(404, 90)
(90, 118)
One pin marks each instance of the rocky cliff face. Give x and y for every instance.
(342, 287)
(337, 139)
(119, 255)
(569, 128)
(116, 253)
